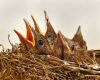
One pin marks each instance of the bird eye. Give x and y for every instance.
(40, 42)
(72, 47)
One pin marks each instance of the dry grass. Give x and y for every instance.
(20, 64)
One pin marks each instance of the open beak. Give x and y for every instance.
(28, 42)
(61, 47)
(29, 35)
(63, 42)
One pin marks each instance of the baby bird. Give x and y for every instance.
(41, 43)
(50, 32)
(38, 43)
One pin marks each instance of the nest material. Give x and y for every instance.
(20, 64)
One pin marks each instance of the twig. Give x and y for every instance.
(2, 47)
(9, 40)
(85, 71)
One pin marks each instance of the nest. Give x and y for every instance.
(19, 64)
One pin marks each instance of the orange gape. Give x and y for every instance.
(28, 42)
(29, 35)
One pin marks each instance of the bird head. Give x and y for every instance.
(41, 43)
(79, 41)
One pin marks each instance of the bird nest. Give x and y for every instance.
(49, 56)
(19, 64)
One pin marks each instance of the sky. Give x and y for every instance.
(65, 15)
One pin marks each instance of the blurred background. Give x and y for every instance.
(65, 15)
